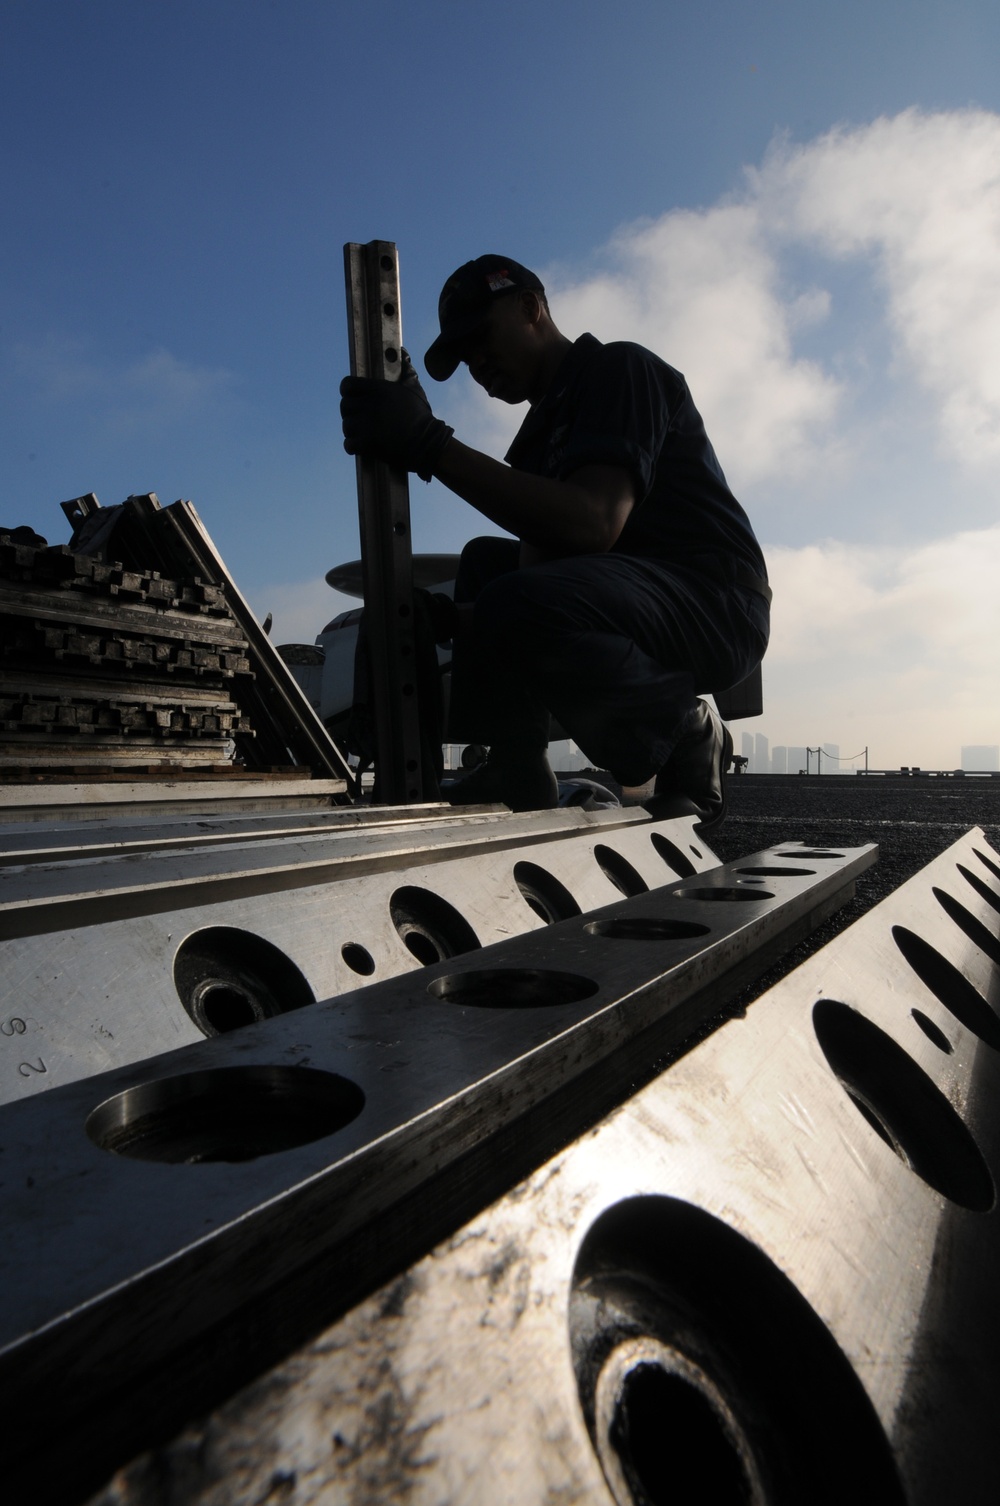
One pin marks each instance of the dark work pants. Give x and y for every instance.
(615, 647)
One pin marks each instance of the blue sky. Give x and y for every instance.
(177, 181)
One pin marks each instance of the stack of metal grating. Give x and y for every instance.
(108, 666)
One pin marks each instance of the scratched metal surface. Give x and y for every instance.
(89, 945)
(134, 1282)
(744, 1210)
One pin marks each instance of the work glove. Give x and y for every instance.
(392, 421)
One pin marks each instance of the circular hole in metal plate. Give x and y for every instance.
(512, 988)
(676, 861)
(646, 928)
(967, 922)
(662, 1425)
(901, 1103)
(227, 978)
(358, 958)
(982, 889)
(780, 872)
(225, 1114)
(950, 987)
(933, 1032)
(620, 871)
(543, 893)
(723, 894)
(430, 928)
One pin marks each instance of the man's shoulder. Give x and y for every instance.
(626, 355)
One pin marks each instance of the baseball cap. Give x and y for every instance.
(466, 299)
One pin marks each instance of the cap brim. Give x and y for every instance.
(441, 360)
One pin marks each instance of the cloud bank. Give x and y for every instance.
(838, 318)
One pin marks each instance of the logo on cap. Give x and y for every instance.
(498, 280)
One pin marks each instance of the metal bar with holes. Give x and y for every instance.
(178, 1224)
(375, 330)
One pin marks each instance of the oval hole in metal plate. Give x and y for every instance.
(949, 986)
(722, 894)
(671, 854)
(780, 872)
(966, 921)
(512, 988)
(902, 1104)
(225, 1114)
(813, 852)
(543, 893)
(646, 928)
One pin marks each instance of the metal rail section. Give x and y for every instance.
(128, 938)
(179, 1223)
(769, 1277)
(376, 342)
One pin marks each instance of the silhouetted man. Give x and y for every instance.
(634, 580)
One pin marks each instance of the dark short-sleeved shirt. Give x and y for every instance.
(619, 404)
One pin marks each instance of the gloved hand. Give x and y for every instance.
(392, 421)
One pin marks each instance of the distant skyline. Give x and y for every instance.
(797, 205)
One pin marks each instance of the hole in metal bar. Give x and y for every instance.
(722, 895)
(620, 871)
(987, 862)
(949, 986)
(982, 889)
(646, 928)
(543, 893)
(933, 1032)
(227, 978)
(967, 922)
(811, 853)
(225, 1114)
(903, 1105)
(430, 928)
(358, 958)
(672, 855)
(780, 872)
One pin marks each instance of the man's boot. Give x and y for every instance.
(517, 776)
(693, 781)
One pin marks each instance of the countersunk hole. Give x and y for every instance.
(358, 958)
(987, 862)
(982, 889)
(780, 872)
(903, 1105)
(950, 987)
(542, 891)
(512, 988)
(641, 928)
(721, 894)
(225, 1114)
(811, 853)
(227, 978)
(672, 855)
(672, 1435)
(933, 1032)
(973, 928)
(620, 871)
(429, 927)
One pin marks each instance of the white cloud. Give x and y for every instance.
(895, 648)
(153, 392)
(919, 197)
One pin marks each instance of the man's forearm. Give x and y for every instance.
(583, 515)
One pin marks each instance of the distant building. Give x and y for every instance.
(981, 758)
(779, 760)
(796, 760)
(761, 756)
(830, 762)
(747, 749)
